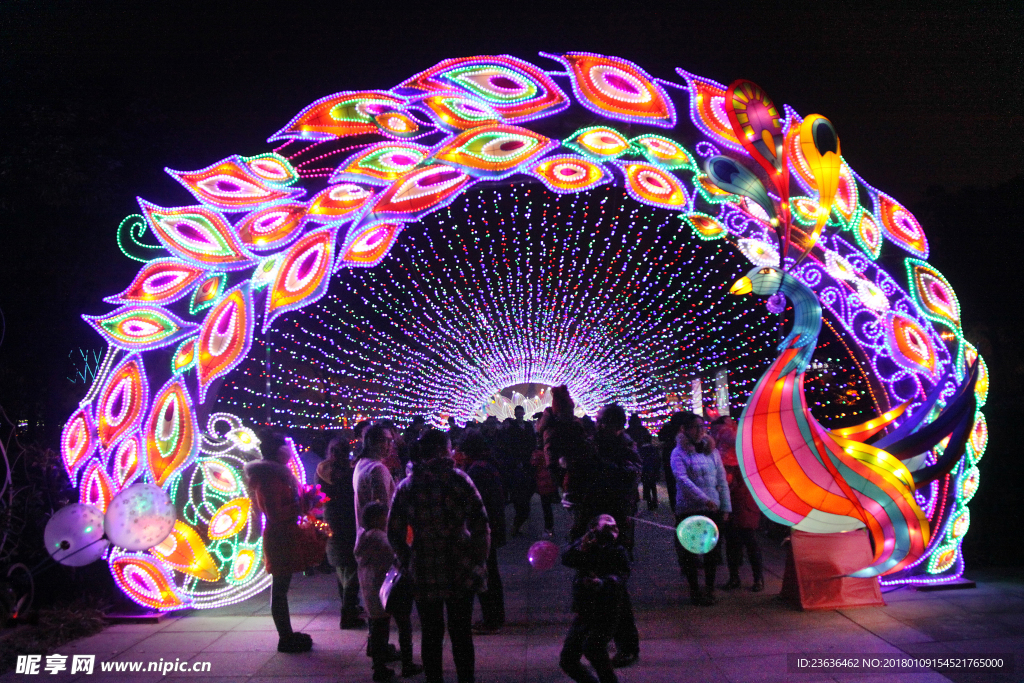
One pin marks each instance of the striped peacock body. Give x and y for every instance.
(814, 479)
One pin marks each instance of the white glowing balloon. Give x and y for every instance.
(139, 517)
(74, 535)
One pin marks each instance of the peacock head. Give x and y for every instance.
(761, 281)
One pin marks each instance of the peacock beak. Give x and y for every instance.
(742, 286)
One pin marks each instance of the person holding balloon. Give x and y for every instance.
(701, 490)
(287, 547)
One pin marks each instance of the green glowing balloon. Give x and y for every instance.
(698, 534)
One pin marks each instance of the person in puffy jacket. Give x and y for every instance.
(701, 489)
(667, 443)
(374, 557)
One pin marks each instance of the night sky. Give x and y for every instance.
(96, 98)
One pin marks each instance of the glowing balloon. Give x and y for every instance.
(542, 555)
(698, 534)
(74, 535)
(139, 517)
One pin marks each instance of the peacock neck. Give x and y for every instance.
(806, 323)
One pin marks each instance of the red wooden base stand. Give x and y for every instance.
(816, 569)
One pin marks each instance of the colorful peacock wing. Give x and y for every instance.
(382, 163)
(225, 336)
(197, 235)
(235, 184)
(161, 281)
(367, 245)
(340, 115)
(96, 488)
(170, 434)
(122, 401)
(565, 174)
(184, 550)
(900, 226)
(933, 294)
(618, 89)
(271, 227)
(598, 143)
(517, 90)
(78, 440)
(145, 580)
(303, 276)
(654, 186)
(125, 459)
(493, 151)
(456, 112)
(229, 519)
(820, 146)
(707, 109)
(419, 193)
(140, 328)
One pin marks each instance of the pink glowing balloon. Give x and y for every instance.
(543, 555)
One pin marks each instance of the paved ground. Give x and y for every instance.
(746, 637)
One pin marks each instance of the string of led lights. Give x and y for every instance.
(517, 285)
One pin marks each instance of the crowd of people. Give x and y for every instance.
(432, 504)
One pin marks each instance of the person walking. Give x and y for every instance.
(617, 472)
(701, 489)
(334, 475)
(597, 594)
(546, 489)
(636, 431)
(614, 492)
(650, 459)
(740, 531)
(447, 558)
(485, 476)
(287, 549)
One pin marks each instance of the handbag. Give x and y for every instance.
(396, 591)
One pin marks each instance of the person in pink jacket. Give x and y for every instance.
(740, 530)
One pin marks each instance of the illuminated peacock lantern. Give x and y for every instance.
(264, 234)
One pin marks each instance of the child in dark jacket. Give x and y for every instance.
(602, 567)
